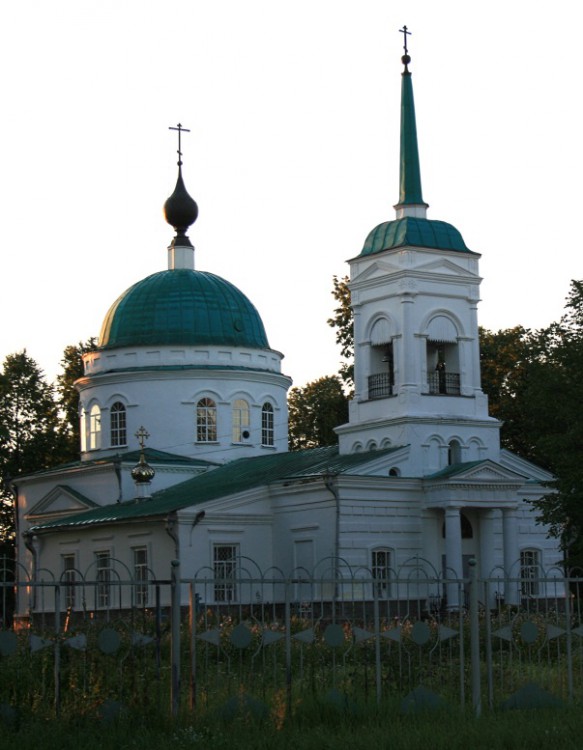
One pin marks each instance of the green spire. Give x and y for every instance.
(410, 193)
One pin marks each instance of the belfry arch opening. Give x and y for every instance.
(381, 378)
(443, 365)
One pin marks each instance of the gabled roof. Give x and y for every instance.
(62, 499)
(237, 476)
(484, 470)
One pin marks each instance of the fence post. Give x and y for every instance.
(377, 638)
(475, 638)
(288, 669)
(175, 636)
(57, 667)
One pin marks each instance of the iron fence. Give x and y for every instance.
(335, 633)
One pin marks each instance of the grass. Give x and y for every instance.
(515, 730)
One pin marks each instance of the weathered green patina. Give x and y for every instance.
(183, 307)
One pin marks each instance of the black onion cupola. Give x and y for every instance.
(180, 210)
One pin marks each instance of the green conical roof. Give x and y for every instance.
(183, 307)
(411, 228)
(409, 172)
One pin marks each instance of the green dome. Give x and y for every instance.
(182, 307)
(411, 231)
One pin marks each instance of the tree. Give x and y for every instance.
(72, 370)
(555, 392)
(343, 322)
(30, 439)
(314, 411)
(506, 362)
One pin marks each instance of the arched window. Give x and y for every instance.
(117, 425)
(83, 427)
(240, 430)
(267, 425)
(94, 428)
(206, 421)
(454, 453)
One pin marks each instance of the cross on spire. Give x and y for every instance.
(180, 130)
(405, 34)
(142, 434)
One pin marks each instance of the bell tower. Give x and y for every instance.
(415, 288)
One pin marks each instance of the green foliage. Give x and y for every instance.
(533, 380)
(556, 397)
(314, 411)
(506, 360)
(30, 439)
(343, 322)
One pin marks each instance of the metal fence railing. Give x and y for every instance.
(89, 642)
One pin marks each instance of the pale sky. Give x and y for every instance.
(292, 158)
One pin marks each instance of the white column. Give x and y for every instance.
(453, 555)
(475, 349)
(409, 378)
(511, 555)
(360, 366)
(487, 554)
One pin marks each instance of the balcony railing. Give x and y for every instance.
(380, 385)
(444, 383)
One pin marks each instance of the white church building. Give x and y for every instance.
(184, 429)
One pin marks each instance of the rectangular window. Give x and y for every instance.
(240, 431)
(141, 576)
(118, 424)
(225, 572)
(267, 425)
(95, 428)
(68, 578)
(380, 566)
(530, 572)
(103, 577)
(206, 421)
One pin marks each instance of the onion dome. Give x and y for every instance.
(180, 211)
(143, 473)
(182, 306)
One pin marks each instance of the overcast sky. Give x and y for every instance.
(293, 109)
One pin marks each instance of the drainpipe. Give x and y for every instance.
(330, 482)
(172, 531)
(29, 543)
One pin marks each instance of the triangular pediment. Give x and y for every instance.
(444, 266)
(479, 472)
(61, 500)
(378, 268)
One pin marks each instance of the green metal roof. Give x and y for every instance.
(410, 172)
(414, 232)
(182, 307)
(153, 456)
(237, 476)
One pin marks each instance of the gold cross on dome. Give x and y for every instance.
(142, 434)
